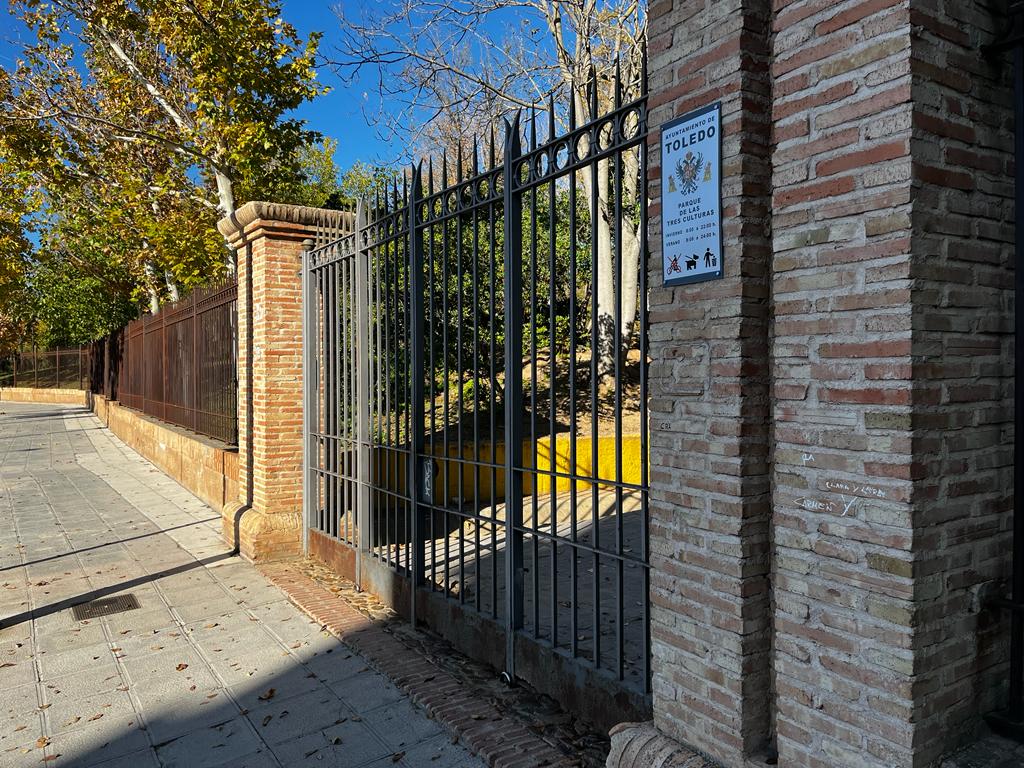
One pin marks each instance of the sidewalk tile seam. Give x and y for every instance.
(318, 598)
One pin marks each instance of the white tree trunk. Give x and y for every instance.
(151, 283)
(226, 208)
(172, 287)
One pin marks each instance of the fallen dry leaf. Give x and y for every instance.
(397, 756)
(181, 667)
(268, 695)
(97, 716)
(42, 741)
(267, 719)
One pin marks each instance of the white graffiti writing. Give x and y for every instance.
(855, 489)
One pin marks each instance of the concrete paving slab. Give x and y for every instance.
(398, 727)
(185, 679)
(209, 747)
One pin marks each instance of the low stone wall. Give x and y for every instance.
(206, 467)
(42, 395)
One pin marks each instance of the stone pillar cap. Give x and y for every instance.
(302, 215)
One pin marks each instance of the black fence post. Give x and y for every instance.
(362, 385)
(415, 472)
(513, 288)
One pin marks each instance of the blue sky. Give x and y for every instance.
(337, 114)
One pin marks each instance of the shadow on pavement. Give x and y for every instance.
(95, 594)
(107, 544)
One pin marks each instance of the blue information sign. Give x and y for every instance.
(691, 197)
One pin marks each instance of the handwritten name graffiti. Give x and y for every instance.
(856, 489)
(841, 507)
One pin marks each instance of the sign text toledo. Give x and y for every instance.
(691, 194)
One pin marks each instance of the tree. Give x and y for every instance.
(15, 252)
(450, 73)
(203, 83)
(131, 126)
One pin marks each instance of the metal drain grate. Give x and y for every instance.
(105, 606)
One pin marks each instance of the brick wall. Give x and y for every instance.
(709, 399)
(831, 423)
(841, 368)
(962, 272)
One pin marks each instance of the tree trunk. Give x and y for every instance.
(226, 208)
(172, 287)
(151, 286)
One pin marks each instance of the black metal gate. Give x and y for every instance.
(478, 344)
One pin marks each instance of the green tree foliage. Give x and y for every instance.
(129, 127)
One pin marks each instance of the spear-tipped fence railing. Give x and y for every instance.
(179, 365)
(476, 373)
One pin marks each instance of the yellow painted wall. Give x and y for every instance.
(390, 467)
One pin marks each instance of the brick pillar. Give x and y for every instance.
(269, 237)
(709, 401)
(883, 294)
(843, 460)
(962, 276)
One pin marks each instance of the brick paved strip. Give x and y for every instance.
(497, 738)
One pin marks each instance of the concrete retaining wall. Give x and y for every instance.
(54, 396)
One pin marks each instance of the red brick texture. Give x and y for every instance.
(962, 385)
(709, 399)
(270, 236)
(466, 714)
(831, 455)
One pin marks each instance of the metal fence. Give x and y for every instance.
(66, 368)
(180, 365)
(478, 345)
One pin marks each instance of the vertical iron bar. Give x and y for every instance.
(492, 240)
(195, 365)
(617, 350)
(330, 380)
(644, 493)
(534, 454)
(513, 206)
(552, 379)
(595, 352)
(416, 371)
(362, 383)
(308, 388)
(573, 528)
(430, 339)
(476, 397)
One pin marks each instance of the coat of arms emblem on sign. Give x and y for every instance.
(688, 170)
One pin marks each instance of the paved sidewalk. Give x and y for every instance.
(214, 668)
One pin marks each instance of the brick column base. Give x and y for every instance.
(641, 745)
(260, 536)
